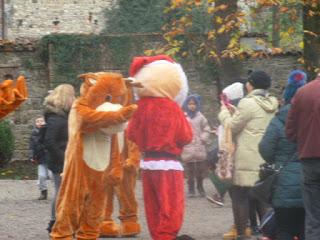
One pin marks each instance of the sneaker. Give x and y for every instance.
(50, 225)
(216, 200)
(255, 231)
(43, 195)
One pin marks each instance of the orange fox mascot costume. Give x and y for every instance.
(12, 95)
(92, 159)
(125, 192)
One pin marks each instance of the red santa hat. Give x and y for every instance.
(160, 77)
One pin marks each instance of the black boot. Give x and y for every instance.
(50, 225)
(43, 195)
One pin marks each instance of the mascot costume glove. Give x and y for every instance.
(12, 95)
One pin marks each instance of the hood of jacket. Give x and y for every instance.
(54, 109)
(283, 113)
(264, 100)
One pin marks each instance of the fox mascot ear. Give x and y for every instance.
(89, 78)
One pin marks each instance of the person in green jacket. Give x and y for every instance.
(276, 149)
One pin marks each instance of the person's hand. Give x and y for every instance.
(34, 161)
(223, 106)
(231, 108)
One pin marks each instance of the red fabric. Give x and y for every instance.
(163, 193)
(303, 122)
(159, 125)
(139, 62)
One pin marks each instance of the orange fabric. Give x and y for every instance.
(125, 192)
(12, 95)
(82, 193)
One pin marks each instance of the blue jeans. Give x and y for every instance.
(57, 182)
(311, 197)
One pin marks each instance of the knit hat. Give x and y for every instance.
(160, 76)
(296, 79)
(259, 80)
(234, 91)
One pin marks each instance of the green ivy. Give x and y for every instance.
(132, 16)
(72, 54)
(6, 143)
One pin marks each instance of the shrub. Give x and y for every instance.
(6, 143)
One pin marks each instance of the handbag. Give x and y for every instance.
(263, 189)
(225, 164)
(268, 174)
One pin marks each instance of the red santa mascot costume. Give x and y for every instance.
(160, 130)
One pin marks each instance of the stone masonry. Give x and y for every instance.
(36, 18)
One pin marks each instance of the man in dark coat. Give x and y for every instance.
(303, 127)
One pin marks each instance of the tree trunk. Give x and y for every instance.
(229, 68)
(275, 26)
(311, 51)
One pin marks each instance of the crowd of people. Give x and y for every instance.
(255, 128)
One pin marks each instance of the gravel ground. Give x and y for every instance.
(23, 217)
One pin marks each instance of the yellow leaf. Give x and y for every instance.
(291, 30)
(301, 44)
(223, 7)
(221, 29)
(219, 20)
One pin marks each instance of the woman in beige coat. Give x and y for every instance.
(248, 124)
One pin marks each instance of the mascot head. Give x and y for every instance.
(105, 92)
(159, 76)
(101, 87)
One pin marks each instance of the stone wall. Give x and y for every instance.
(16, 63)
(27, 63)
(36, 18)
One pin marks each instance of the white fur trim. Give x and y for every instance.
(161, 165)
(234, 91)
(181, 97)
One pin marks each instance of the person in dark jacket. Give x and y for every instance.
(302, 127)
(57, 107)
(276, 149)
(38, 156)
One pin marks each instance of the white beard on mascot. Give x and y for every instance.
(160, 129)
